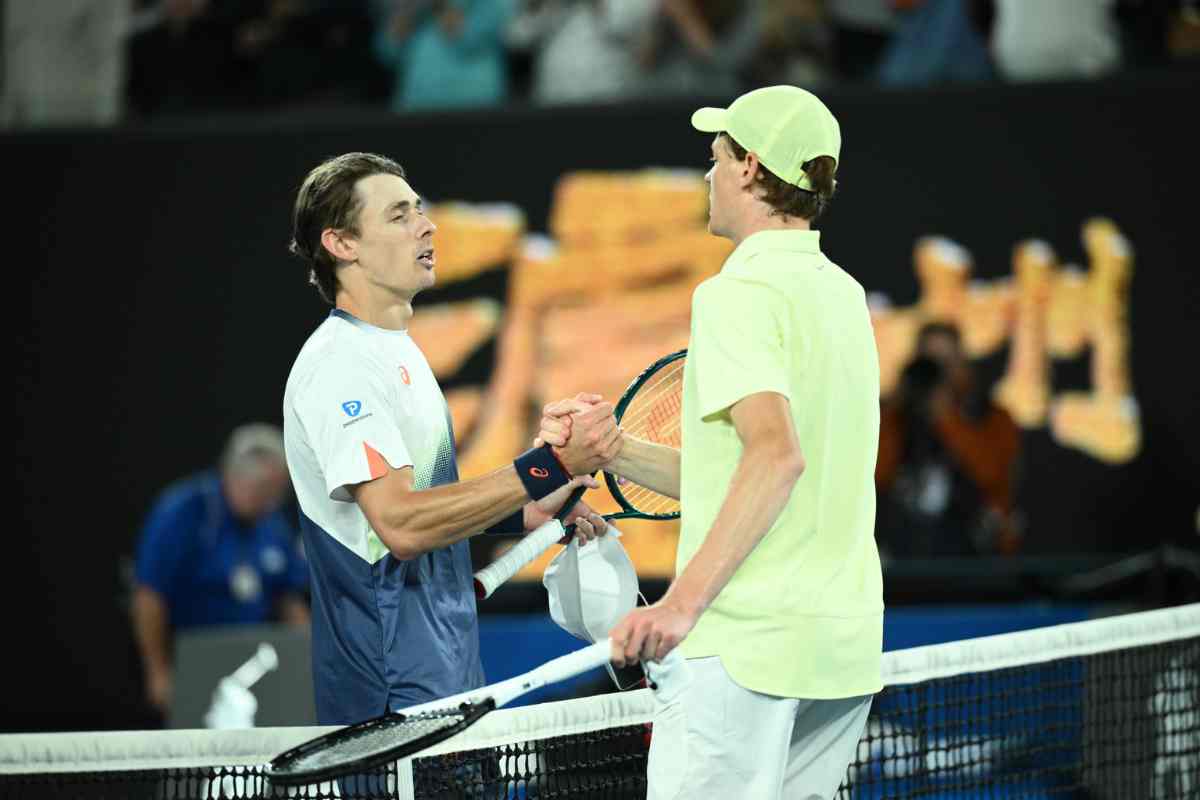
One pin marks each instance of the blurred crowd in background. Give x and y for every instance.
(73, 62)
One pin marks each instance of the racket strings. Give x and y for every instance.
(654, 415)
(370, 741)
(654, 412)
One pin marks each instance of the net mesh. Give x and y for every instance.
(1117, 724)
(1102, 709)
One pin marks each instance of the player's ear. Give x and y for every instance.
(749, 170)
(340, 244)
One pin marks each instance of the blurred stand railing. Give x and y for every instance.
(1160, 566)
(1158, 576)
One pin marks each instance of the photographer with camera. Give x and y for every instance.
(946, 454)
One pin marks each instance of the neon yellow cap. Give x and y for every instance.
(785, 126)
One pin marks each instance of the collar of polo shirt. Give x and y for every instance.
(772, 241)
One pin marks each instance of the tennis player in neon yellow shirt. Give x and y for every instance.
(778, 599)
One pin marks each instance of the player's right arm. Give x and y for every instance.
(348, 412)
(411, 521)
(655, 466)
(568, 427)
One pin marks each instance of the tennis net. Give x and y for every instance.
(1108, 708)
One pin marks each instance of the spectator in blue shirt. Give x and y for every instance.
(446, 53)
(216, 550)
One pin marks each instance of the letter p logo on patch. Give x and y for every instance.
(352, 407)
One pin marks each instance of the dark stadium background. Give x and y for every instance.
(156, 304)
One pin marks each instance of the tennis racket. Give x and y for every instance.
(366, 745)
(650, 410)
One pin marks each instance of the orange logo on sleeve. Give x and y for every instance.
(404, 376)
(376, 463)
(539, 472)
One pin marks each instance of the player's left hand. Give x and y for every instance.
(588, 524)
(540, 511)
(649, 633)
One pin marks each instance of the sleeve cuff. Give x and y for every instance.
(359, 465)
(713, 405)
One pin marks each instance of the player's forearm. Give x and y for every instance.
(654, 466)
(430, 519)
(151, 627)
(758, 492)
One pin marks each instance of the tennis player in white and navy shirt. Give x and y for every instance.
(370, 448)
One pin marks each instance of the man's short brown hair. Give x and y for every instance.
(327, 199)
(789, 200)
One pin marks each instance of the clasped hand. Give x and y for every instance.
(595, 442)
(583, 432)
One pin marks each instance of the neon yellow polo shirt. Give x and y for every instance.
(803, 615)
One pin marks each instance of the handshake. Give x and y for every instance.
(583, 432)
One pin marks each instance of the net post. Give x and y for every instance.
(405, 789)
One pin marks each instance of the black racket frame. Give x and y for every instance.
(279, 773)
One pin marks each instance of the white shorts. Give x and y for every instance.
(721, 740)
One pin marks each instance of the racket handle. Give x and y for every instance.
(502, 693)
(488, 579)
(576, 663)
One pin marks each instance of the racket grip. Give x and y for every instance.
(488, 579)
